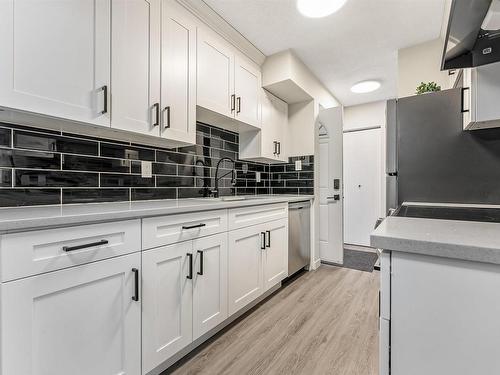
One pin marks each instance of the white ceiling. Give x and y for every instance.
(358, 42)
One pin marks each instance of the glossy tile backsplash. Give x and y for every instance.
(40, 167)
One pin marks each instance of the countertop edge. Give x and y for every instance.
(61, 221)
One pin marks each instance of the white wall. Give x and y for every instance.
(421, 63)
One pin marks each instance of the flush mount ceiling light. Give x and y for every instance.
(319, 8)
(365, 86)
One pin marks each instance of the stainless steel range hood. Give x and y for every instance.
(473, 36)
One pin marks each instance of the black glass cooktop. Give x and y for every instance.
(491, 215)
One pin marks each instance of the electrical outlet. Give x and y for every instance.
(298, 165)
(257, 176)
(146, 169)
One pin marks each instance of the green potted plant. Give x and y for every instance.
(428, 87)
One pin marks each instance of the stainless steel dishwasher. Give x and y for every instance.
(299, 236)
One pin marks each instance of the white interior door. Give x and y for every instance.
(178, 73)
(55, 57)
(133, 73)
(167, 303)
(331, 244)
(209, 283)
(78, 321)
(362, 184)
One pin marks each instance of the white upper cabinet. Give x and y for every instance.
(480, 92)
(247, 88)
(136, 66)
(215, 70)
(229, 84)
(178, 73)
(270, 144)
(55, 58)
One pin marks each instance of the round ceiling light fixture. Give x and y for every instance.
(365, 86)
(319, 8)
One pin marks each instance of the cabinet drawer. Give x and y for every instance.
(165, 230)
(246, 216)
(30, 253)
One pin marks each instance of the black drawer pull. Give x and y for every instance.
(78, 247)
(156, 106)
(105, 93)
(190, 275)
(268, 233)
(135, 297)
(201, 225)
(200, 272)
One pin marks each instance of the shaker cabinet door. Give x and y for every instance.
(55, 58)
(80, 321)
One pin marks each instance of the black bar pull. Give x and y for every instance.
(268, 244)
(156, 106)
(462, 97)
(201, 225)
(200, 272)
(275, 147)
(105, 93)
(279, 148)
(78, 247)
(238, 100)
(190, 274)
(168, 116)
(233, 104)
(135, 297)
(263, 240)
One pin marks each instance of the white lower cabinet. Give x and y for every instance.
(245, 266)
(257, 261)
(209, 283)
(80, 321)
(184, 295)
(275, 260)
(167, 303)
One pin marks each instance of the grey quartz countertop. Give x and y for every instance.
(19, 219)
(466, 240)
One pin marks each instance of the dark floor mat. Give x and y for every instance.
(359, 260)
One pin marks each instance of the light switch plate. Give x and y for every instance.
(146, 169)
(298, 165)
(257, 176)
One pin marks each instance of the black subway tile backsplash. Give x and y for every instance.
(38, 178)
(42, 167)
(29, 197)
(5, 137)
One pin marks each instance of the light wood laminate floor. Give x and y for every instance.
(323, 322)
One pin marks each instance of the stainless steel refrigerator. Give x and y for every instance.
(431, 159)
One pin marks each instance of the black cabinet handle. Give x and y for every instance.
(263, 240)
(168, 116)
(78, 247)
(200, 272)
(190, 274)
(233, 105)
(268, 244)
(201, 225)
(275, 147)
(238, 100)
(379, 303)
(156, 106)
(279, 148)
(462, 97)
(105, 93)
(136, 286)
